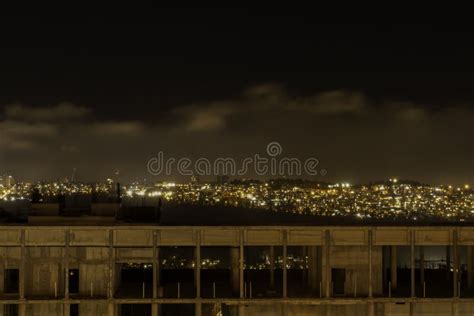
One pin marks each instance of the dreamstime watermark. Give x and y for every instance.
(272, 165)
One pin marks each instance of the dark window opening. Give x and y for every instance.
(136, 280)
(135, 309)
(338, 277)
(11, 310)
(12, 280)
(74, 310)
(73, 281)
(178, 309)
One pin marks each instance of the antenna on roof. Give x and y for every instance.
(73, 174)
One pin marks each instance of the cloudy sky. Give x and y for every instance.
(369, 102)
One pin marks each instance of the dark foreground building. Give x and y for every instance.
(95, 265)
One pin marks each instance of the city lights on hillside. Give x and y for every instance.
(393, 199)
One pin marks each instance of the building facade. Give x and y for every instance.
(263, 270)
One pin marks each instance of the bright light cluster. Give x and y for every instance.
(392, 199)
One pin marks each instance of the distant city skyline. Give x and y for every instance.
(389, 200)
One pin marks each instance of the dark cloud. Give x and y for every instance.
(62, 112)
(127, 128)
(17, 135)
(355, 137)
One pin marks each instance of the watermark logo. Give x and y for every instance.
(271, 164)
(274, 149)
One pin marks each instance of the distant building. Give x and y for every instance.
(194, 179)
(222, 179)
(7, 180)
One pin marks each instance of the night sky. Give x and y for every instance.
(100, 95)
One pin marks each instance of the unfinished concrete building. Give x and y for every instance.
(116, 269)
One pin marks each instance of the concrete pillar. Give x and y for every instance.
(314, 266)
(370, 263)
(470, 257)
(328, 309)
(285, 272)
(370, 309)
(384, 268)
(198, 309)
(197, 270)
(22, 279)
(393, 266)
(22, 309)
(155, 264)
(111, 267)
(455, 264)
(234, 269)
(455, 309)
(241, 266)
(319, 267)
(272, 266)
(66, 309)
(3, 265)
(412, 264)
(448, 263)
(117, 277)
(327, 272)
(156, 273)
(241, 271)
(66, 267)
(155, 309)
(22, 269)
(111, 275)
(111, 309)
(422, 265)
(304, 274)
